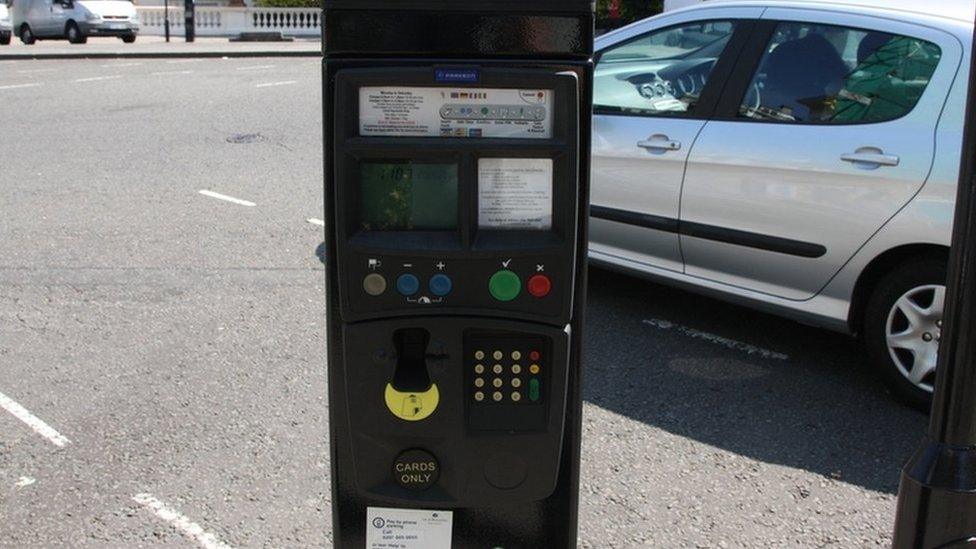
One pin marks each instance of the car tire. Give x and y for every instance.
(27, 35)
(5, 39)
(128, 38)
(74, 34)
(903, 326)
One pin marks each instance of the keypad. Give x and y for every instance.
(505, 371)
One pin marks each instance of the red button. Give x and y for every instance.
(534, 356)
(540, 285)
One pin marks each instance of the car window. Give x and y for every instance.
(827, 74)
(661, 72)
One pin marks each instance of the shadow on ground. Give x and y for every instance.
(821, 409)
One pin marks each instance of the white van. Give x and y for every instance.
(74, 20)
(6, 27)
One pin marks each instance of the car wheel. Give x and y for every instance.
(27, 35)
(74, 34)
(903, 327)
(128, 38)
(5, 39)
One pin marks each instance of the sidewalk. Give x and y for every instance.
(156, 46)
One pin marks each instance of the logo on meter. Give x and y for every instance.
(534, 97)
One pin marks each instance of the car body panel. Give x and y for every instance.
(914, 208)
(49, 19)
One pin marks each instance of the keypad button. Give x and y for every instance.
(497, 383)
(479, 369)
(479, 355)
(497, 355)
(408, 284)
(516, 355)
(479, 396)
(497, 368)
(534, 356)
(440, 285)
(516, 397)
(516, 382)
(479, 383)
(516, 369)
(374, 284)
(534, 390)
(497, 396)
(534, 369)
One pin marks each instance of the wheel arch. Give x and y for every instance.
(879, 267)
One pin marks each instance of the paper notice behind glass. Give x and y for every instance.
(455, 112)
(515, 193)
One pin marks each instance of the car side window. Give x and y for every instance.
(825, 74)
(662, 72)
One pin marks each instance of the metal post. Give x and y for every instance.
(166, 18)
(189, 20)
(937, 498)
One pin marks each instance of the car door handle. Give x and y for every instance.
(870, 158)
(660, 142)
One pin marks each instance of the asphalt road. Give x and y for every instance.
(175, 342)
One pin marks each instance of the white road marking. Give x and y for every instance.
(169, 73)
(255, 67)
(25, 481)
(98, 78)
(114, 65)
(180, 61)
(182, 524)
(284, 83)
(33, 421)
(35, 71)
(219, 196)
(716, 339)
(314, 221)
(16, 86)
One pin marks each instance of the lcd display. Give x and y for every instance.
(408, 196)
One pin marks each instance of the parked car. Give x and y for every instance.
(74, 20)
(795, 156)
(6, 28)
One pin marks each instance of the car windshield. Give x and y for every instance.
(707, 45)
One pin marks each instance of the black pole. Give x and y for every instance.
(937, 498)
(189, 19)
(166, 18)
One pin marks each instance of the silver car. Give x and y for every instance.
(799, 157)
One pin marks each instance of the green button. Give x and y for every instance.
(534, 390)
(505, 285)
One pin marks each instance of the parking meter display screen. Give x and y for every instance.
(408, 196)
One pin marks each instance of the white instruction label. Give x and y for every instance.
(515, 193)
(408, 528)
(455, 112)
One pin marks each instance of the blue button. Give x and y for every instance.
(408, 284)
(440, 285)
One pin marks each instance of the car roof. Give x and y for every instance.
(959, 10)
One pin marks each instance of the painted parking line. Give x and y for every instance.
(33, 421)
(715, 339)
(181, 61)
(255, 67)
(182, 524)
(18, 86)
(219, 196)
(283, 83)
(115, 65)
(314, 221)
(99, 78)
(169, 73)
(35, 71)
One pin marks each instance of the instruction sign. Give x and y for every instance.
(455, 112)
(408, 528)
(515, 193)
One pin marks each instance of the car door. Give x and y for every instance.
(653, 90)
(827, 129)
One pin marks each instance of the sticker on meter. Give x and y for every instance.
(408, 528)
(455, 112)
(515, 193)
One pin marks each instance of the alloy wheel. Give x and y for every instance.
(913, 332)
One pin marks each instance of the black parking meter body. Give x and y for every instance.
(189, 19)
(456, 199)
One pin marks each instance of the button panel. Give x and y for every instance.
(500, 376)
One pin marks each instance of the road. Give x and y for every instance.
(174, 340)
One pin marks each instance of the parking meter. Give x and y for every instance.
(456, 198)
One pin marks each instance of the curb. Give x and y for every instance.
(158, 55)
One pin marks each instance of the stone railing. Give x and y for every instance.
(221, 21)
